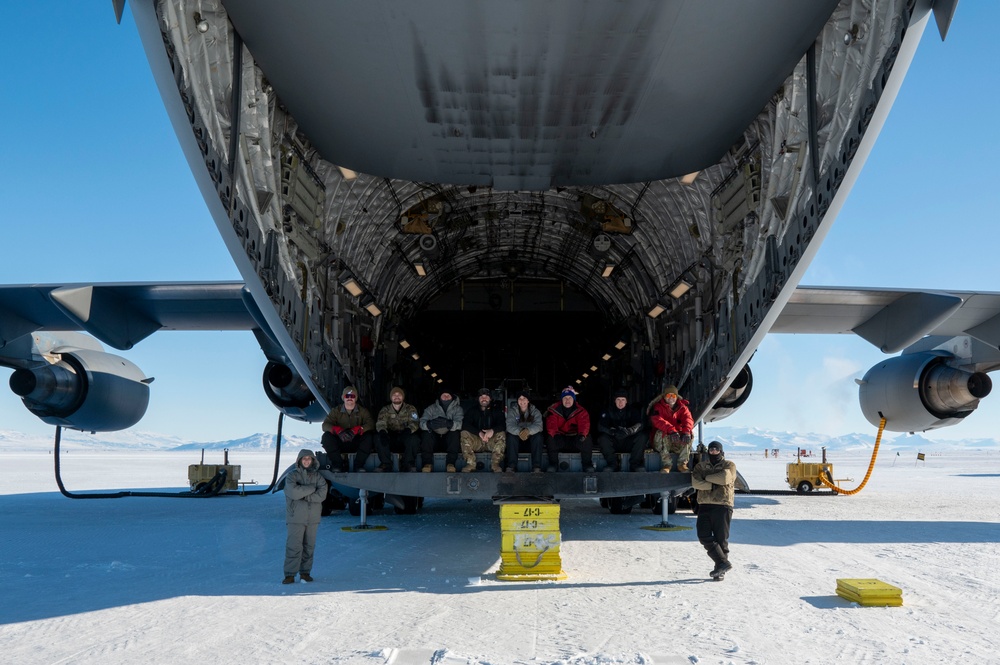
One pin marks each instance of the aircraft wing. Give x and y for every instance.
(121, 315)
(892, 319)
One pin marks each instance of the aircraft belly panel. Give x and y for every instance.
(564, 485)
(532, 94)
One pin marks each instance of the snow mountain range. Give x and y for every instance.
(737, 439)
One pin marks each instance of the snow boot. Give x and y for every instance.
(289, 579)
(721, 569)
(306, 577)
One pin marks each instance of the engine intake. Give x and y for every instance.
(86, 390)
(920, 391)
(290, 394)
(735, 396)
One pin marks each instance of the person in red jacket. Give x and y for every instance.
(672, 425)
(567, 425)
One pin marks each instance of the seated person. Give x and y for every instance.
(348, 429)
(672, 424)
(619, 430)
(567, 425)
(396, 432)
(439, 427)
(524, 432)
(483, 429)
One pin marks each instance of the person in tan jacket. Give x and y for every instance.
(715, 480)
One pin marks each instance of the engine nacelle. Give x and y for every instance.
(735, 396)
(86, 390)
(920, 391)
(290, 394)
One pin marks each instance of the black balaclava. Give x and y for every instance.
(715, 459)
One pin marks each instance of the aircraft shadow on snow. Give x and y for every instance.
(69, 557)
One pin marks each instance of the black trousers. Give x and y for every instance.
(633, 444)
(361, 445)
(449, 443)
(535, 444)
(572, 443)
(713, 530)
(404, 442)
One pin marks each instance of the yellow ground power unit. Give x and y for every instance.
(804, 476)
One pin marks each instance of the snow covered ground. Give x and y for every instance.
(166, 580)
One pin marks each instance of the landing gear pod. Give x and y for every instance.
(920, 391)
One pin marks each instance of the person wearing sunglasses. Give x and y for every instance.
(348, 429)
(672, 425)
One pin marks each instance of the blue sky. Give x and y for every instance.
(95, 189)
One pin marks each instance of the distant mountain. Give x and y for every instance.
(747, 439)
(253, 442)
(137, 440)
(751, 439)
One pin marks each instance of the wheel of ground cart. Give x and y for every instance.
(333, 502)
(804, 487)
(411, 504)
(604, 502)
(619, 506)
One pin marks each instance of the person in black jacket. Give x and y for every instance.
(620, 430)
(484, 429)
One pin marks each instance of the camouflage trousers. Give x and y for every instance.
(496, 446)
(674, 450)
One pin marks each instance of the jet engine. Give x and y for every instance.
(735, 396)
(920, 391)
(88, 390)
(290, 394)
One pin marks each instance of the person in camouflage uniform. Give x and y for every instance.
(396, 432)
(484, 429)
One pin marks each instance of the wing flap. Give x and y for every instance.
(891, 319)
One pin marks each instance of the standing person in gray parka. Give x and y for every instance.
(305, 490)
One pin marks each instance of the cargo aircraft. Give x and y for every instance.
(516, 193)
